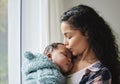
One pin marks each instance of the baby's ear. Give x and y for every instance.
(49, 56)
(29, 55)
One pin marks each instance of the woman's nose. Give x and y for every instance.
(65, 42)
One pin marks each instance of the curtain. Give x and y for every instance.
(50, 11)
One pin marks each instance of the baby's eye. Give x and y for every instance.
(65, 55)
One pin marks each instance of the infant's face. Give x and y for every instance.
(62, 57)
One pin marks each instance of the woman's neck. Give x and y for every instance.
(87, 58)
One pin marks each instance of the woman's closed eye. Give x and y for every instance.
(69, 37)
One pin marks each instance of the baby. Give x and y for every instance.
(49, 68)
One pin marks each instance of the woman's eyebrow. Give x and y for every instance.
(66, 33)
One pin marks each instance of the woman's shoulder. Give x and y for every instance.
(97, 73)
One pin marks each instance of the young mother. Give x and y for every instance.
(92, 43)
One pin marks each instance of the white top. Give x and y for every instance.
(75, 78)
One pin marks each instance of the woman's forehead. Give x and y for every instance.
(65, 26)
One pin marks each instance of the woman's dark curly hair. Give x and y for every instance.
(100, 36)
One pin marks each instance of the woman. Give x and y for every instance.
(93, 46)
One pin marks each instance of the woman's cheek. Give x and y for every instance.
(73, 42)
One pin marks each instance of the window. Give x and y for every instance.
(3, 42)
(25, 31)
(40, 24)
(14, 42)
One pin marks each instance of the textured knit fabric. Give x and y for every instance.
(96, 74)
(38, 69)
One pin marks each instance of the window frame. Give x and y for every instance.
(14, 41)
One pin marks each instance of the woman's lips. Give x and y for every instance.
(71, 49)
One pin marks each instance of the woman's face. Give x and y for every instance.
(74, 40)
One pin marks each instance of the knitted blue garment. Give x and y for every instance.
(38, 69)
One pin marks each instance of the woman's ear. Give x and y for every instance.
(49, 56)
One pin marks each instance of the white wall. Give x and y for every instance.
(108, 9)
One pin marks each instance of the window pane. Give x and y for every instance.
(3, 42)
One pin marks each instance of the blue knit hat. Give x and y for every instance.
(38, 69)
